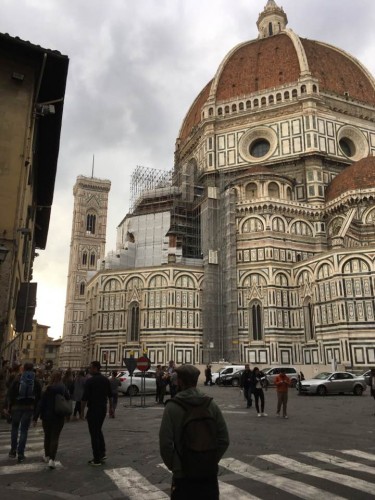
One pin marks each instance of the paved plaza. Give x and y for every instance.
(325, 450)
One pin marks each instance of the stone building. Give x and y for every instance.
(87, 249)
(34, 344)
(32, 87)
(260, 247)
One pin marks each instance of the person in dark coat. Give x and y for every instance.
(96, 393)
(372, 383)
(52, 423)
(246, 385)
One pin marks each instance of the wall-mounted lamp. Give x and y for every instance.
(3, 253)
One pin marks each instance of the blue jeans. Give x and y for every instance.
(21, 420)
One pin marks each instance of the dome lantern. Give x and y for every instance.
(272, 20)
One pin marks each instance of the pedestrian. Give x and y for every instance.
(96, 393)
(159, 382)
(22, 404)
(208, 375)
(78, 386)
(246, 385)
(115, 384)
(68, 381)
(52, 423)
(173, 387)
(202, 483)
(282, 383)
(257, 378)
(372, 383)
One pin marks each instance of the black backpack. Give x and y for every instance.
(199, 455)
(26, 386)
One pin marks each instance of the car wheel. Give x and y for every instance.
(321, 390)
(235, 382)
(358, 389)
(133, 390)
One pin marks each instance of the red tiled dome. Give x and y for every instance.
(359, 175)
(268, 63)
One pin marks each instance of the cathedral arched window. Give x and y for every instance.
(82, 288)
(251, 191)
(241, 106)
(271, 99)
(294, 93)
(248, 104)
(226, 110)
(273, 190)
(303, 89)
(315, 89)
(256, 103)
(263, 101)
(256, 320)
(211, 111)
(220, 111)
(278, 225)
(288, 193)
(278, 97)
(84, 258)
(234, 108)
(134, 322)
(308, 316)
(270, 30)
(90, 223)
(286, 96)
(92, 260)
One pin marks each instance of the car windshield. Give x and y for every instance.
(323, 375)
(265, 370)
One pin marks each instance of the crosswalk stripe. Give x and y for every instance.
(359, 454)
(29, 454)
(227, 489)
(296, 488)
(339, 462)
(134, 485)
(310, 470)
(21, 468)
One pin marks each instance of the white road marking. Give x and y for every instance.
(310, 470)
(359, 454)
(339, 462)
(227, 489)
(28, 454)
(134, 485)
(296, 488)
(21, 468)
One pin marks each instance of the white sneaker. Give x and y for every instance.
(264, 414)
(45, 459)
(51, 464)
(259, 414)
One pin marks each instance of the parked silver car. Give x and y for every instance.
(333, 383)
(270, 374)
(131, 386)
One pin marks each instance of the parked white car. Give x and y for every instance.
(226, 370)
(131, 386)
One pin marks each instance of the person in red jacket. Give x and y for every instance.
(282, 383)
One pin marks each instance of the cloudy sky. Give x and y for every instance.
(135, 68)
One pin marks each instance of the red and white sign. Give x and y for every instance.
(143, 364)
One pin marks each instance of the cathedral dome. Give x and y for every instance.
(358, 176)
(277, 59)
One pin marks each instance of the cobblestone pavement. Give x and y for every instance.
(324, 450)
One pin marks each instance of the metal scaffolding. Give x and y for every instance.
(147, 179)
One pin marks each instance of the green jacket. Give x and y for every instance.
(171, 428)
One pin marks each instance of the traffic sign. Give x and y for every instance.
(143, 364)
(130, 363)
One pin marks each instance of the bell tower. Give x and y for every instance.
(272, 20)
(87, 247)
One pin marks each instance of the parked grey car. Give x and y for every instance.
(333, 383)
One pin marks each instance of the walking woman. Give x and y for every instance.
(78, 386)
(257, 384)
(52, 423)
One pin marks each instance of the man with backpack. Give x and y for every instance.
(193, 437)
(22, 400)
